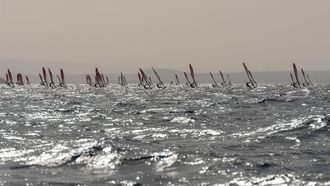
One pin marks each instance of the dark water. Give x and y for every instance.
(177, 136)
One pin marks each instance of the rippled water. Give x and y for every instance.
(181, 136)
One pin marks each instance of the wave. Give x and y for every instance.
(282, 179)
(312, 122)
(91, 154)
(161, 160)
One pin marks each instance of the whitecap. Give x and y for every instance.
(182, 120)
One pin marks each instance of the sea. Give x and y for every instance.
(82, 135)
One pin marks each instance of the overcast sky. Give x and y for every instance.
(123, 35)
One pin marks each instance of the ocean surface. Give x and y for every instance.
(274, 134)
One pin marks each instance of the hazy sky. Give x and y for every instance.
(123, 35)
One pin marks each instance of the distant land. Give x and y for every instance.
(167, 75)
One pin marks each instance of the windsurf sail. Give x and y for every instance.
(27, 80)
(296, 74)
(192, 73)
(215, 84)
(177, 79)
(224, 83)
(252, 83)
(160, 83)
(63, 83)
